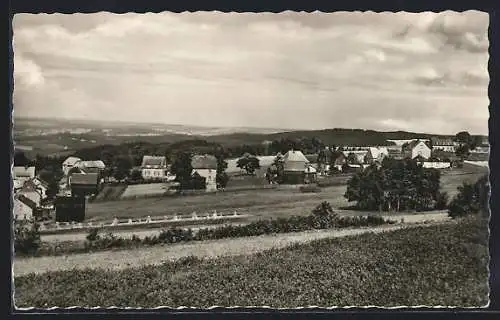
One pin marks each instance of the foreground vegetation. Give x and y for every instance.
(438, 265)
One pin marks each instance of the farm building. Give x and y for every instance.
(23, 174)
(30, 191)
(154, 168)
(416, 149)
(206, 167)
(84, 184)
(69, 163)
(23, 207)
(446, 145)
(297, 169)
(376, 154)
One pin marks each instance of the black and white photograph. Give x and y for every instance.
(276, 160)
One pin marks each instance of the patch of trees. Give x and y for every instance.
(396, 185)
(248, 163)
(472, 198)
(466, 143)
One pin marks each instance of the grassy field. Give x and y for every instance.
(258, 203)
(442, 265)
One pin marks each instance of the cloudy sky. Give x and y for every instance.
(383, 71)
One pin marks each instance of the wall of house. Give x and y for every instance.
(210, 178)
(421, 150)
(21, 210)
(444, 148)
(151, 174)
(293, 177)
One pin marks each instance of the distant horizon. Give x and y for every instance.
(291, 70)
(232, 127)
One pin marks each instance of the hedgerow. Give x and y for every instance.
(322, 217)
(434, 265)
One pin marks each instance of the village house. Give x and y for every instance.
(376, 154)
(154, 168)
(206, 167)
(84, 184)
(23, 174)
(297, 169)
(416, 149)
(23, 207)
(94, 166)
(30, 191)
(446, 145)
(69, 163)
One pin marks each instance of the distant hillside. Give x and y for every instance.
(354, 137)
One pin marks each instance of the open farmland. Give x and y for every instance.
(258, 203)
(428, 265)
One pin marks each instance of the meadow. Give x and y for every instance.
(259, 203)
(435, 265)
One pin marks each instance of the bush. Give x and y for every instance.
(26, 236)
(93, 234)
(323, 209)
(441, 201)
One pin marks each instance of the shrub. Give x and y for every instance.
(26, 236)
(323, 209)
(93, 234)
(441, 201)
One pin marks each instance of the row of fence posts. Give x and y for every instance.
(116, 222)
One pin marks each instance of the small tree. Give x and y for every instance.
(323, 209)
(136, 175)
(52, 189)
(221, 178)
(249, 164)
(26, 236)
(122, 168)
(471, 199)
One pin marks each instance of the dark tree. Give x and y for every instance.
(121, 168)
(182, 169)
(20, 159)
(221, 178)
(394, 186)
(52, 189)
(249, 164)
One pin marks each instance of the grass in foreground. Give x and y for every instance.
(438, 265)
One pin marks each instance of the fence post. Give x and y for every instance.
(148, 220)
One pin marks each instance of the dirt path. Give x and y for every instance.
(156, 255)
(408, 218)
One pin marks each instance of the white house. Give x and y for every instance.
(206, 167)
(376, 154)
(69, 163)
(154, 168)
(23, 208)
(417, 148)
(446, 145)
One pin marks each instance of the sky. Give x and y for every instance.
(422, 72)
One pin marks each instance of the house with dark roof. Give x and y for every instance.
(206, 167)
(297, 169)
(84, 184)
(416, 148)
(23, 207)
(154, 168)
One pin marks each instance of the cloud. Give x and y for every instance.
(278, 70)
